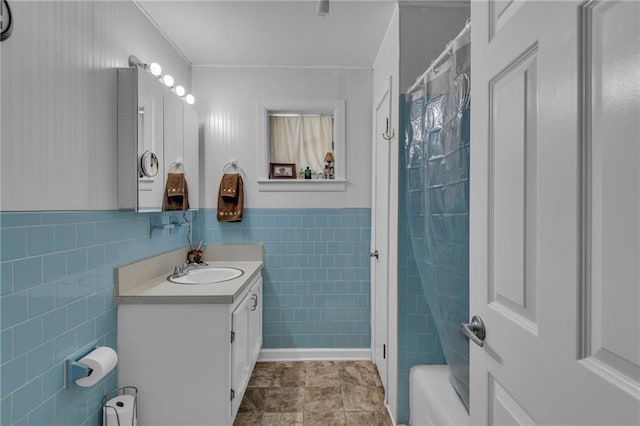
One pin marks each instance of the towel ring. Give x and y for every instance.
(234, 165)
(176, 164)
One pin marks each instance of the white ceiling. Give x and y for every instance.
(272, 33)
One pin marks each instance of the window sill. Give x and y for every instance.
(302, 185)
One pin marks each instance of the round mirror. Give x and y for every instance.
(148, 164)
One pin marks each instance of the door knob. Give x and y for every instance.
(475, 330)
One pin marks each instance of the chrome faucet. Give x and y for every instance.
(180, 271)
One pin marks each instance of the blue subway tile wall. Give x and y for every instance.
(57, 271)
(418, 341)
(316, 276)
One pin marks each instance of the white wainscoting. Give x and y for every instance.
(59, 89)
(228, 100)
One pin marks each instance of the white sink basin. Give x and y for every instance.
(210, 275)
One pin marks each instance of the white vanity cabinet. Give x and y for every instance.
(246, 335)
(191, 362)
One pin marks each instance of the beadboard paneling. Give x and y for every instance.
(59, 133)
(228, 103)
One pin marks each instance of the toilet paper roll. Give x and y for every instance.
(120, 408)
(102, 360)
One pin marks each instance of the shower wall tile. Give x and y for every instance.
(316, 275)
(57, 297)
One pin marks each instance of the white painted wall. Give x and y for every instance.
(388, 59)
(59, 125)
(425, 31)
(227, 99)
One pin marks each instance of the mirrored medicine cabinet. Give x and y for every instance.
(157, 135)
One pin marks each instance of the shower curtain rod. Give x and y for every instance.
(447, 51)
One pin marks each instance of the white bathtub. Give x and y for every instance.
(433, 401)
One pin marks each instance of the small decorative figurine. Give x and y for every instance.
(328, 158)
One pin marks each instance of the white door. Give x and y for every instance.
(555, 212)
(380, 236)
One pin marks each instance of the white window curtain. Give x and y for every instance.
(300, 139)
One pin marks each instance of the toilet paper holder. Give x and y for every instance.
(75, 370)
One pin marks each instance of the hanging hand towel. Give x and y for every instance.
(230, 206)
(229, 185)
(176, 194)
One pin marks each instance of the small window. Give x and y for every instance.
(297, 135)
(301, 139)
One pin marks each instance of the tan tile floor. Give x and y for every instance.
(327, 393)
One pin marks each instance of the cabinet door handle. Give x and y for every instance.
(255, 302)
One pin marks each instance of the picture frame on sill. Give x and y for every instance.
(282, 171)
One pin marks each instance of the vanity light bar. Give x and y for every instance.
(155, 69)
(168, 81)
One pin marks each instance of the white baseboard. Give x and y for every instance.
(315, 354)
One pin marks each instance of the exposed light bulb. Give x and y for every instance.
(168, 80)
(190, 99)
(180, 90)
(155, 69)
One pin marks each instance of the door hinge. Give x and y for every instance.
(233, 395)
(233, 336)
(384, 351)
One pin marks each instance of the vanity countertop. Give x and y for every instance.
(145, 282)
